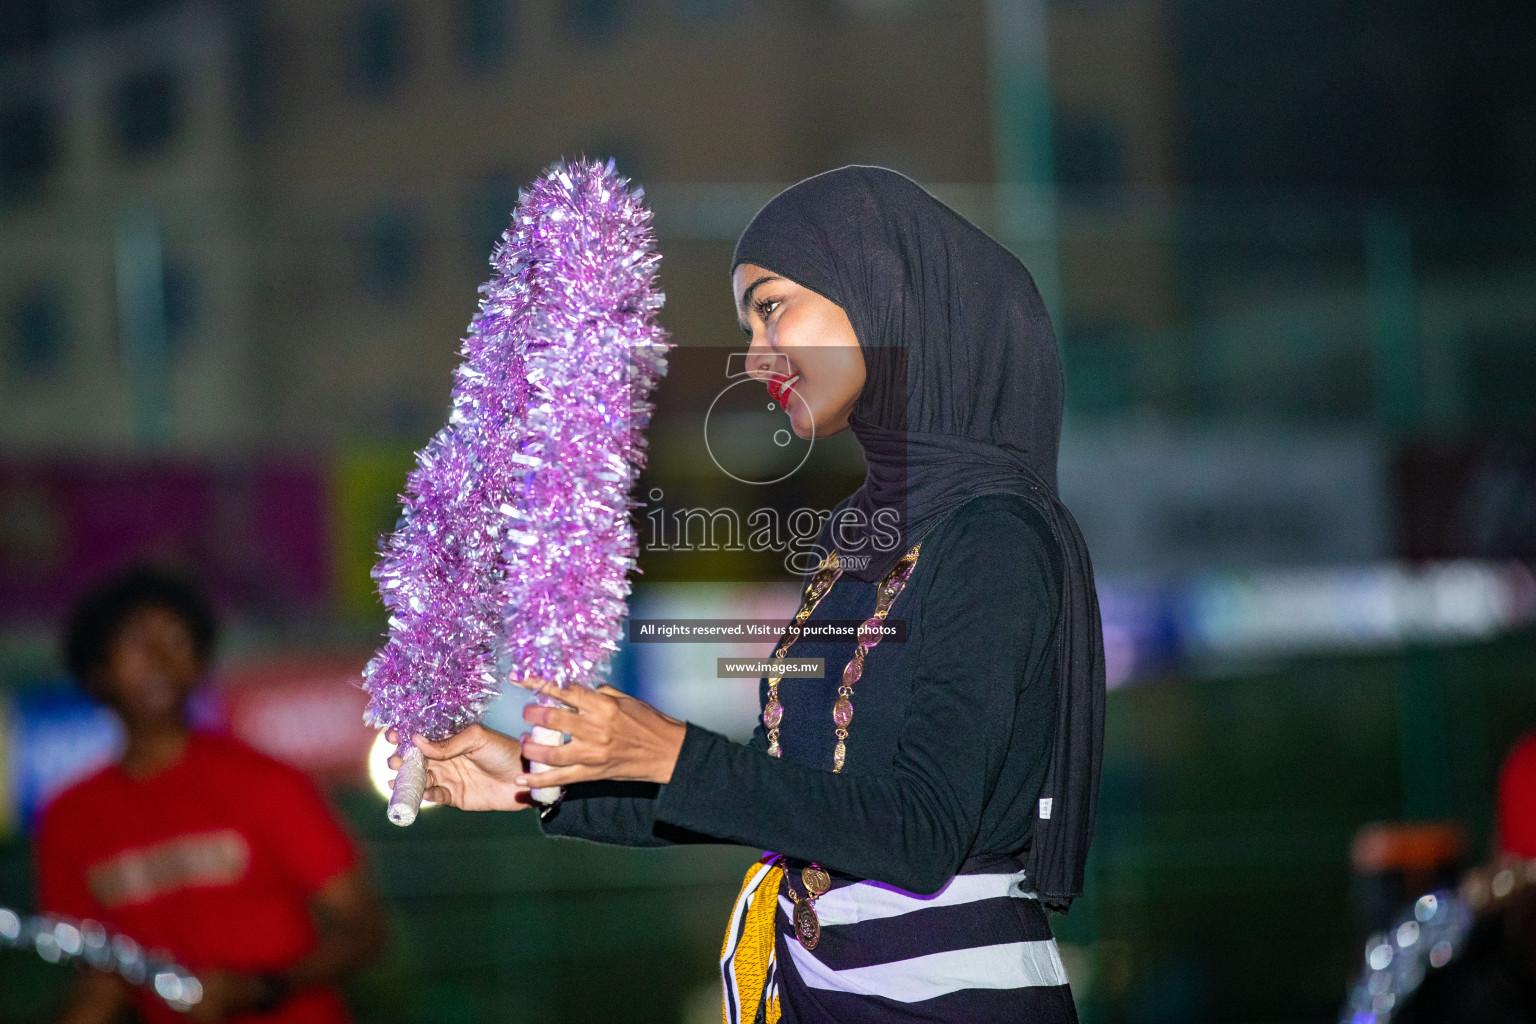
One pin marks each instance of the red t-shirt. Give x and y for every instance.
(1517, 800)
(213, 859)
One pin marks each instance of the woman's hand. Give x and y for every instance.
(474, 770)
(613, 736)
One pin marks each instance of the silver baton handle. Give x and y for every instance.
(410, 784)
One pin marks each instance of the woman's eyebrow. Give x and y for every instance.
(746, 296)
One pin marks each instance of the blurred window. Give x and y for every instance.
(115, 12)
(391, 252)
(707, 10)
(183, 303)
(593, 21)
(28, 151)
(38, 331)
(27, 25)
(1501, 372)
(1104, 357)
(255, 62)
(376, 47)
(488, 213)
(147, 111)
(1090, 150)
(484, 32)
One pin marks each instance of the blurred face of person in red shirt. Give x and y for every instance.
(150, 670)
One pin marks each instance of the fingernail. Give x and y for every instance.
(521, 780)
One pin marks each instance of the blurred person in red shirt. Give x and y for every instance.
(197, 844)
(1491, 978)
(1517, 800)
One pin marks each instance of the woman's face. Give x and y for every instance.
(803, 347)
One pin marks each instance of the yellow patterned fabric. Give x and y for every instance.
(747, 956)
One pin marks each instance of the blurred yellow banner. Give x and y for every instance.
(366, 488)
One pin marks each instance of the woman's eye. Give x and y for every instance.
(765, 306)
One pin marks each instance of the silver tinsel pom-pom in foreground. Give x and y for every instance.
(515, 544)
(60, 940)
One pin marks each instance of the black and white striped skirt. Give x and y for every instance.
(979, 949)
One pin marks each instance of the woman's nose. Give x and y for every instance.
(761, 357)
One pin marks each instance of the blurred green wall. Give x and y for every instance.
(1219, 886)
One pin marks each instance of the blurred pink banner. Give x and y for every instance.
(254, 533)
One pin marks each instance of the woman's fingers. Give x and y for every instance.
(536, 684)
(610, 736)
(585, 707)
(466, 741)
(555, 718)
(589, 701)
(573, 752)
(557, 777)
(578, 697)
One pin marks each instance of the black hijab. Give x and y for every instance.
(962, 397)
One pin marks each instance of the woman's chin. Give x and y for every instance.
(808, 427)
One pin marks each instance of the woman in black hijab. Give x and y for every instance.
(913, 844)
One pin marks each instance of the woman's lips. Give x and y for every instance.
(780, 385)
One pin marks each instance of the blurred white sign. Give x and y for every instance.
(1155, 502)
(682, 678)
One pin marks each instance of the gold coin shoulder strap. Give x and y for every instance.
(813, 876)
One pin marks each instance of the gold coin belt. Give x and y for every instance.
(813, 876)
(816, 881)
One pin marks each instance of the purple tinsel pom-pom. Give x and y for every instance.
(515, 547)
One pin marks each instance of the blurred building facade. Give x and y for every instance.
(318, 186)
(240, 226)
(262, 221)
(125, 281)
(1292, 269)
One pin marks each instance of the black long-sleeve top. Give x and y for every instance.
(949, 740)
